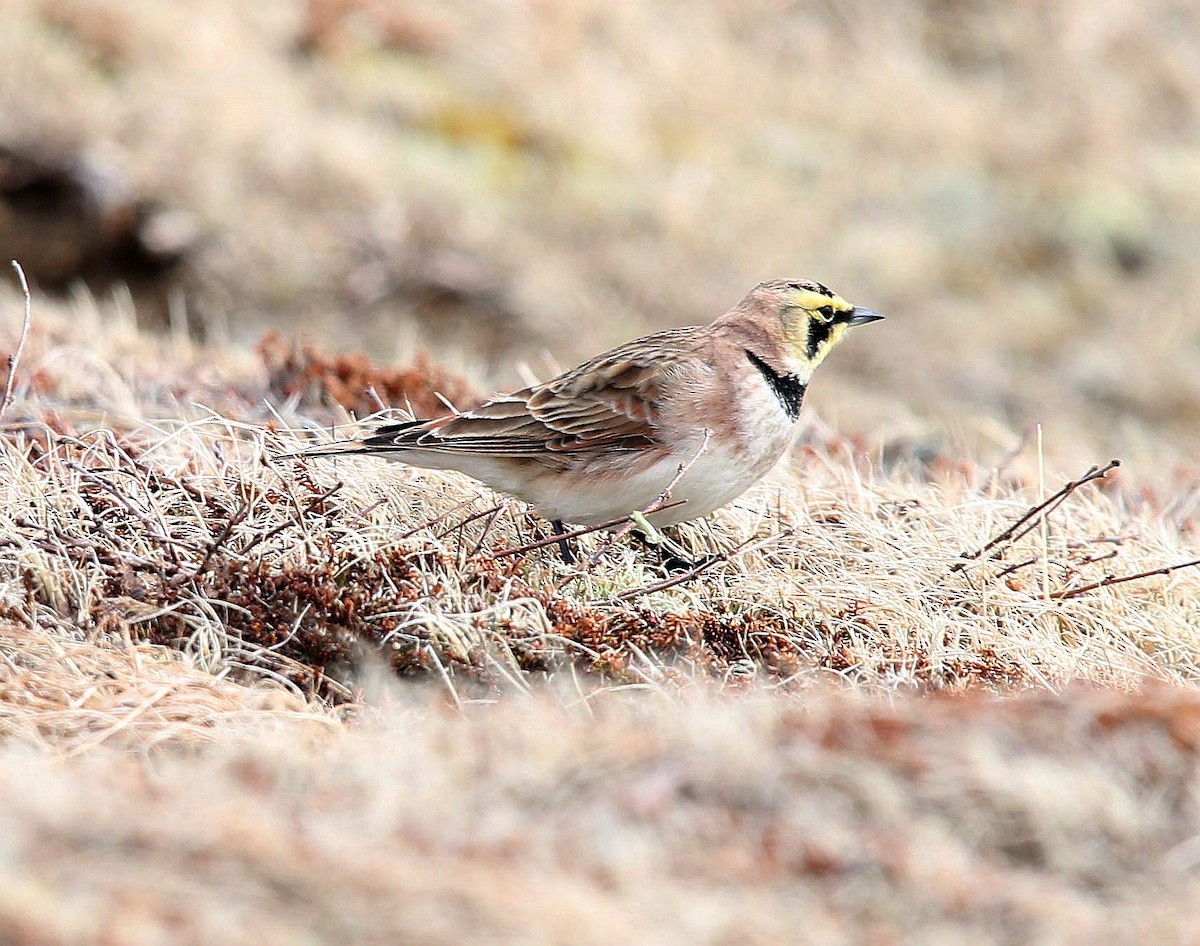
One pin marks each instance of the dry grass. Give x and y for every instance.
(69, 695)
(1016, 185)
(253, 699)
(750, 821)
(806, 740)
(188, 530)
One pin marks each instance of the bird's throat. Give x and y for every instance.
(788, 388)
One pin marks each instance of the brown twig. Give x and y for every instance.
(364, 512)
(460, 526)
(1109, 580)
(437, 520)
(1015, 567)
(750, 545)
(1022, 443)
(1093, 559)
(232, 523)
(1036, 513)
(15, 357)
(1110, 539)
(298, 520)
(491, 515)
(98, 549)
(576, 533)
(487, 528)
(1071, 569)
(673, 580)
(152, 529)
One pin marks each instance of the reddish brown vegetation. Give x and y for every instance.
(312, 617)
(301, 369)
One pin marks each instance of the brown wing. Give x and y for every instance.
(608, 403)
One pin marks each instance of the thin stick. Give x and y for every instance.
(232, 523)
(437, 520)
(699, 569)
(750, 545)
(160, 536)
(488, 526)
(459, 526)
(15, 357)
(994, 477)
(1059, 498)
(1097, 558)
(1110, 580)
(364, 512)
(1044, 521)
(1015, 567)
(576, 533)
(1045, 507)
(297, 521)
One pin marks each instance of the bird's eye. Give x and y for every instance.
(826, 312)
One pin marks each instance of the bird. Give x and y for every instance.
(601, 442)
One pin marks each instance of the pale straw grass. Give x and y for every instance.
(713, 821)
(752, 756)
(150, 527)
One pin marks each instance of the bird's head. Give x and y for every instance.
(811, 320)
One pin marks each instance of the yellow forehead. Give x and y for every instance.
(813, 300)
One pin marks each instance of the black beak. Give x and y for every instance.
(861, 316)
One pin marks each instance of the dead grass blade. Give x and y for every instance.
(15, 357)
(1036, 513)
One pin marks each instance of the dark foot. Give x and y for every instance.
(671, 557)
(677, 564)
(564, 547)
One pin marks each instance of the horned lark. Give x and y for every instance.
(603, 440)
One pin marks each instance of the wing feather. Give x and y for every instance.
(610, 403)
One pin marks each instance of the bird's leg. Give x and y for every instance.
(564, 546)
(651, 535)
(670, 556)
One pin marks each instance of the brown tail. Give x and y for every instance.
(380, 440)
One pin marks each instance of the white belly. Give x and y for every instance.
(716, 477)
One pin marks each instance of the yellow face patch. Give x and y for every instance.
(814, 319)
(813, 323)
(825, 306)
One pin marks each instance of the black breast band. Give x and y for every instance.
(787, 387)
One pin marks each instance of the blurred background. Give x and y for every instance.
(525, 182)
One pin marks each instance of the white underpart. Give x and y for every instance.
(711, 482)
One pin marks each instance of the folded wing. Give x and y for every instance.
(608, 404)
